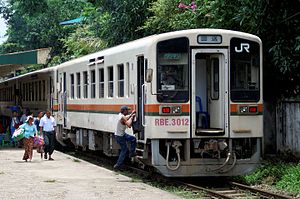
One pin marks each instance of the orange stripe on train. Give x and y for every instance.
(149, 108)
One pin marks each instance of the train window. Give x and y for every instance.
(36, 91)
(7, 94)
(28, 92)
(40, 91)
(85, 84)
(44, 90)
(121, 80)
(78, 85)
(32, 91)
(244, 70)
(215, 78)
(173, 70)
(25, 92)
(93, 84)
(72, 86)
(110, 81)
(101, 82)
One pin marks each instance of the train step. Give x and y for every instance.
(139, 150)
(211, 131)
(141, 141)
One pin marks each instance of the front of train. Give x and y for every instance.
(204, 105)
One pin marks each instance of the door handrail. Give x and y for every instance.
(143, 105)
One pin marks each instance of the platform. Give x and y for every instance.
(66, 177)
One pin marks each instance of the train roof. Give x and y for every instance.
(147, 41)
(143, 42)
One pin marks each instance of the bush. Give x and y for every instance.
(267, 174)
(291, 180)
(284, 176)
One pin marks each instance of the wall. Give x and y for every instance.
(288, 126)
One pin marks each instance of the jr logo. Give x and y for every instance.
(243, 46)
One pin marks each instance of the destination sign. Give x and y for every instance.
(209, 39)
(175, 56)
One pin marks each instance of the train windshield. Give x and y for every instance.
(244, 70)
(172, 70)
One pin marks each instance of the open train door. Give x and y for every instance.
(62, 99)
(210, 92)
(141, 95)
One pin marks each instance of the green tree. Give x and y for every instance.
(118, 21)
(275, 22)
(35, 23)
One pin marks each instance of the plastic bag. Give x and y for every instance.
(18, 134)
(38, 141)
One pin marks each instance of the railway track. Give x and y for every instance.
(230, 190)
(237, 191)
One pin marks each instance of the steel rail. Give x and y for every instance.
(209, 191)
(262, 192)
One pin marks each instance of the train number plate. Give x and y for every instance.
(171, 122)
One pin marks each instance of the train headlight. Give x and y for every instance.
(176, 110)
(248, 109)
(243, 109)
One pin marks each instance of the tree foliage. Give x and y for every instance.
(35, 24)
(118, 21)
(275, 22)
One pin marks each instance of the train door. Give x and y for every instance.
(62, 111)
(141, 93)
(64, 95)
(210, 92)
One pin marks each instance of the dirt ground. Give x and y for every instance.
(66, 177)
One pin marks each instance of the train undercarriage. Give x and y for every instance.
(177, 157)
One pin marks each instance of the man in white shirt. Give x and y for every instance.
(124, 121)
(47, 124)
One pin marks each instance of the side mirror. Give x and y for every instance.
(149, 75)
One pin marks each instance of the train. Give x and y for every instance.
(198, 96)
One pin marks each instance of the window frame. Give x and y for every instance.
(101, 83)
(93, 83)
(121, 82)
(110, 82)
(72, 86)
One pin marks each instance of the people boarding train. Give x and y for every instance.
(124, 121)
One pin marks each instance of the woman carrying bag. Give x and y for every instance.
(29, 132)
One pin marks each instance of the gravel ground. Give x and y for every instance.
(66, 177)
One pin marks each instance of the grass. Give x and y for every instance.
(50, 181)
(76, 160)
(180, 191)
(279, 175)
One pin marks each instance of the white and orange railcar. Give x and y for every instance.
(197, 93)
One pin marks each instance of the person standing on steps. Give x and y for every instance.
(124, 121)
(47, 124)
